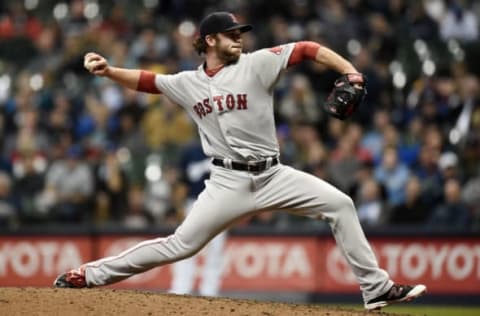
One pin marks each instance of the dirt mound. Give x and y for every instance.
(49, 301)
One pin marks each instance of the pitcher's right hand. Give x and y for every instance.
(96, 64)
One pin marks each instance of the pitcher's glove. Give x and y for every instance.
(347, 95)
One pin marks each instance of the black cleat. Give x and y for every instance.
(397, 293)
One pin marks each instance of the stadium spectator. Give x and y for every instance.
(454, 213)
(471, 196)
(448, 165)
(347, 158)
(372, 139)
(111, 187)
(300, 104)
(167, 129)
(59, 116)
(410, 144)
(286, 144)
(418, 24)
(128, 135)
(69, 188)
(366, 173)
(28, 137)
(28, 183)
(18, 23)
(116, 21)
(159, 192)
(459, 22)
(414, 210)
(394, 175)
(150, 44)
(92, 124)
(137, 215)
(371, 209)
(8, 205)
(427, 170)
(308, 145)
(343, 164)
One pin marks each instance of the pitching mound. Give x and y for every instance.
(49, 301)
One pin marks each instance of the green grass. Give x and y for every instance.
(427, 310)
(430, 310)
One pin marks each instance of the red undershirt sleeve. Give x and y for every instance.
(305, 50)
(146, 82)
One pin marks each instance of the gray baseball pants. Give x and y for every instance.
(231, 195)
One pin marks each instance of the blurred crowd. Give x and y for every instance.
(80, 149)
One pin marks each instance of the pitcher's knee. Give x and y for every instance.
(342, 202)
(185, 249)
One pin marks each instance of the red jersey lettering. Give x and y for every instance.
(218, 99)
(230, 102)
(242, 101)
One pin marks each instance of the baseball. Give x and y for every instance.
(90, 64)
(93, 62)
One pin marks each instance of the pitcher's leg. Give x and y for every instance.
(216, 208)
(351, 240)
(304, 194)
(140, 258)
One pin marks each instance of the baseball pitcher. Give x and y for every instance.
(230, 98)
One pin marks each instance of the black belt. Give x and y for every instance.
(253, 166)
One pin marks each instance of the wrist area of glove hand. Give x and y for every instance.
(355, 77)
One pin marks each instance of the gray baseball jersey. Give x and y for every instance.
(234, 113)
(233, 109)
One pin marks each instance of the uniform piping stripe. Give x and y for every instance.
(126, 252)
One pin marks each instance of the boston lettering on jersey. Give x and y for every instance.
(223, 103)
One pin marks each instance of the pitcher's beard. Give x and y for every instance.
(228, 57)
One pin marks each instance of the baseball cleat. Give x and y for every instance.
(72, 279)
(397, 293)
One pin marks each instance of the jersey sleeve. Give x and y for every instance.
(268, 63)
(171, 86)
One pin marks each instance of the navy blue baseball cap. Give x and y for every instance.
(220, 22)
